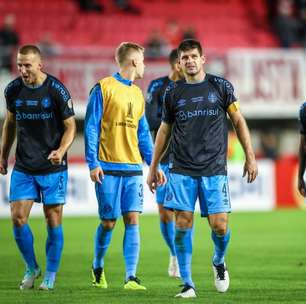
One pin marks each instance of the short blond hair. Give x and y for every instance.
(124, 49)
(29, 49)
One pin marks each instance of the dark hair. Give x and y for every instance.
(189, 44)
(27, 49)
(173, 56)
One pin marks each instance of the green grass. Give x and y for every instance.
(266, 260)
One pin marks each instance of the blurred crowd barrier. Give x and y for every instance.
(275, 187)
(269, 83)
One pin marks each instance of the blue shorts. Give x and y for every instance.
(49, 189)
(212, 191)
(118, 195)
(161, 190)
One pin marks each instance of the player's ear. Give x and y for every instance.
(134, 63)
(203, 59)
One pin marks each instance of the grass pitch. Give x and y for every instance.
(266, 261)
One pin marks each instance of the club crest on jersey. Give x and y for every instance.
(18, 103)
(130, 110)
(212, 97)
(46, 102)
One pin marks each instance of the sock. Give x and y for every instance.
(131, 246)
(183, 246)
(102, 241)
(168, 232)
(54, 247)
(25, 242)
(221, 242)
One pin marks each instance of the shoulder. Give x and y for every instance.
(13, 87)
(303, 110)
(58, 87)
(221, 82)
(155, 83)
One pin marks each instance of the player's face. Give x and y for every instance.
(139, 65)
(29, 67)
(191, 62)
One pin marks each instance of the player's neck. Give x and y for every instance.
(41, 77)
(127, 74)
(174, 76)
(195, 78)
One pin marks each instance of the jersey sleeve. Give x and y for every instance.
(153, 111)
(229, 95)
(145, 142)
(168, 113)
(63, 99)
(92, 126)
(10, 91)
(302, 118)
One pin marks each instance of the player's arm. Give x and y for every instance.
(56, 156)
(152, 105)
(145, 142)
(8, 137)
(92, 126)
(302, 164)
(241, 128)
(161, 143)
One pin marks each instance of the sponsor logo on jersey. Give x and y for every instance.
(31, 103)
(185, 115)
(181, 102)
(18, 103)
(33, 116)
(197, 99)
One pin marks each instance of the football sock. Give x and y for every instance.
(168, 232)
(102, 241)
(183, 246)
(221, 242)
(50, 276)
(25, 242)
(54, 247)
(131, 246)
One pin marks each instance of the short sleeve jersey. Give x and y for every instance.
(198, 113)
(39, 114)
(154, 105)
(302, 119)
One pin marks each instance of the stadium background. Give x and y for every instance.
(241, 43)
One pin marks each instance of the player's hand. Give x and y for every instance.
(3, 166)
(250, 169)
(155, 178)
(302, 187)
(97, 175)
(56, 157)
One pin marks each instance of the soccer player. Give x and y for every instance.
(302, 150)
(154, 101)
(195, 114)
(40, 108)
(117, 136)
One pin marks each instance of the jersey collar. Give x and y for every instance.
(123, 80)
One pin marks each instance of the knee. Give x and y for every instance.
(184, 222)
(18, 220)
(220, 229)
(108, 225)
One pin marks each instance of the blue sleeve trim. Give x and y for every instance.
(92, 127)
